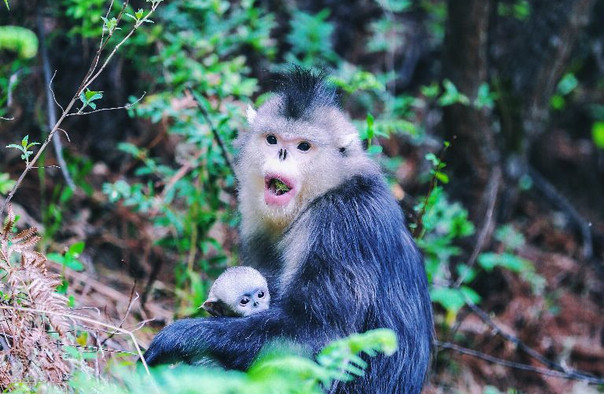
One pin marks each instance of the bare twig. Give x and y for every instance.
(52, 114)
(569, 373)
(511, 364)
(127, 106)
(131, 299)
(54, 98)
(491, 197)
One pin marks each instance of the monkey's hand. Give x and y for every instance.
(233, 342)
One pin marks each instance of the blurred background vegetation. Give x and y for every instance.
(486, 115)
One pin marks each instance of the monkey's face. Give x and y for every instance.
(285, 163)
(283, 172)
(251, 302)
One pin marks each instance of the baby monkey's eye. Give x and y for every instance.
(260, 294)
(303, 146)
(244, 301)
(271, 139)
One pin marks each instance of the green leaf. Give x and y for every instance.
(597, 134)
(77, 248)
(6, 184)
(451, 95)
(431, 91)
(92, 95)
(441, 176)
(489, 260)
(567, 84)
(450, 299)
(370, 132)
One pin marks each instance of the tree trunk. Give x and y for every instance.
(472, 154)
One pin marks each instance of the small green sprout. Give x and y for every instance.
(24, 148)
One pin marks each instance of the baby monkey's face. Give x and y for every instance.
(251, 302)
(239, 291)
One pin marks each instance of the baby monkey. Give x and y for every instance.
(238, 292)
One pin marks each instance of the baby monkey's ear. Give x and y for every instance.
(251, 114)
(214, 308)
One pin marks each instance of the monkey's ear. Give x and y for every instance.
(346, 142)
(214, 308)
(251, 114)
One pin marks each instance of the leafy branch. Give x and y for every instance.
(110, 26)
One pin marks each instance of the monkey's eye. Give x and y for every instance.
(303, 146)
(260, 294)
(271, 139)
(244, 301)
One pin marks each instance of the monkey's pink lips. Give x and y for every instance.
(278, 190)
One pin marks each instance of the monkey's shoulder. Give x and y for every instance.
(362, 197)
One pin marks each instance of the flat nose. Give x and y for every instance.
(282, 154)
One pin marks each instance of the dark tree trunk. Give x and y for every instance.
(472, 154)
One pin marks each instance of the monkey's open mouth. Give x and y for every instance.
(277, 190)
(277, 186)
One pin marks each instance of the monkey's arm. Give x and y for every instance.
(234, 342)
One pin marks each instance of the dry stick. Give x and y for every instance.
(491, 194)
(131, 299)
(88, 79)
(52, 114)
(512, 364)
(87, 320)
(528, 350)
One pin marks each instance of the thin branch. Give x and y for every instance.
(214, 130)
(511, 364)
(491, 196)
(66, 134)
(52, 115)
(126, 106)
(88, 79)
(571, 374)
(131, 299)
(87, 320)
(137, 24)
(102, 46)
(53, 94)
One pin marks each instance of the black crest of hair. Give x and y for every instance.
(303, 90)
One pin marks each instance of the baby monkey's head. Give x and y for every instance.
(239, 291)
